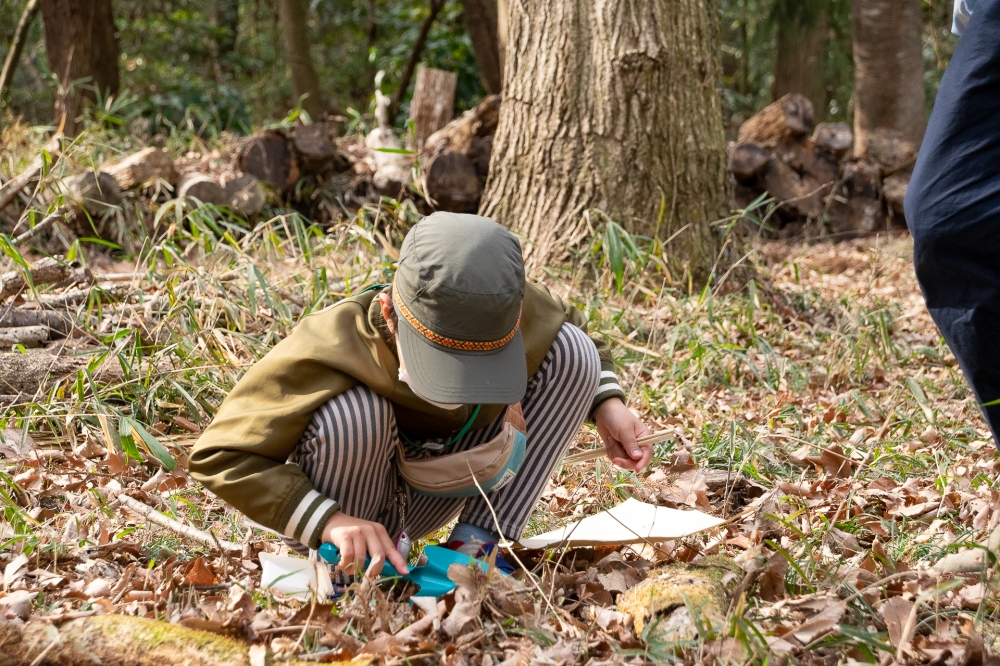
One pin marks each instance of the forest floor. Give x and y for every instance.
(817, 410)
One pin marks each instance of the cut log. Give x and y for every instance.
(790, 116)
(93, 193)
(315, 147)
(894, 190)
(748, 159)
(142, 167)
(201, 187)
(433, 102)
(54, 321)
(44, 271)
(835, 138)
(855, 207)
(802, 194)
(28, 336)
(461, 134)
(805, 158)
(121, 640)
(269, 158)
(246, 195)
(451, 182)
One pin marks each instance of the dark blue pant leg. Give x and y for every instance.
(953, 208)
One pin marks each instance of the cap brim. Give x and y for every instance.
(451, 376)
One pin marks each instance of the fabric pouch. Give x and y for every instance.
(493, 464)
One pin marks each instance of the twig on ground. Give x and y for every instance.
(154, 516)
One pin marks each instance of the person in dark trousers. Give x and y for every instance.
(953, 205)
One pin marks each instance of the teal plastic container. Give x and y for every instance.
(431, 578)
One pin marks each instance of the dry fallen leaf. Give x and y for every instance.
(895, 612)
(820, 624)
(200, 573)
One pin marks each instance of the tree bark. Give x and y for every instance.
(292, 14)
(484, 33)
(800, 59)
(625, 120)
(80, 43)
(17, 45)
(888, 70)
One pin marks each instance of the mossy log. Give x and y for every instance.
(673, 593)
(120, 640)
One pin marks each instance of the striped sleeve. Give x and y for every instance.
(309, 513)
(608, 386)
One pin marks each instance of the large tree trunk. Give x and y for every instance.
(484, 33)
(888, 71)
(625, 120)
(80, 44)
(800, 59)
(295, 34)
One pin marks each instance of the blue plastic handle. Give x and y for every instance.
(331, 554)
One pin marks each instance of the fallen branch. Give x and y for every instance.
(27, 336)
(46, 222)
(44, 271)
(54, 321)
(154, 516)
(76, 296)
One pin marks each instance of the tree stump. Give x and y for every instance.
(268, 158)
(201, 187)
(790, 116)
(141, 167)
(433, 103)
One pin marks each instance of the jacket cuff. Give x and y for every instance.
(309, 515)
(607, 387)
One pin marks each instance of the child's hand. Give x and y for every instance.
(620, 428)
(357, 539)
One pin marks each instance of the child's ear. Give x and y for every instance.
(386, 304)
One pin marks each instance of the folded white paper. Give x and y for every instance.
(630, 522)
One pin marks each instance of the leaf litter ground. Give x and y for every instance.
(817, 410)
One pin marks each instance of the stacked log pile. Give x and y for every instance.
(822, 183)
(305, 167)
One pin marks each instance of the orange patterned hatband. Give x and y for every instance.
(463, 345)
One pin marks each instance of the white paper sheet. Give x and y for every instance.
(630, 522)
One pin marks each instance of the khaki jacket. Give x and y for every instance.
(241, 456)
